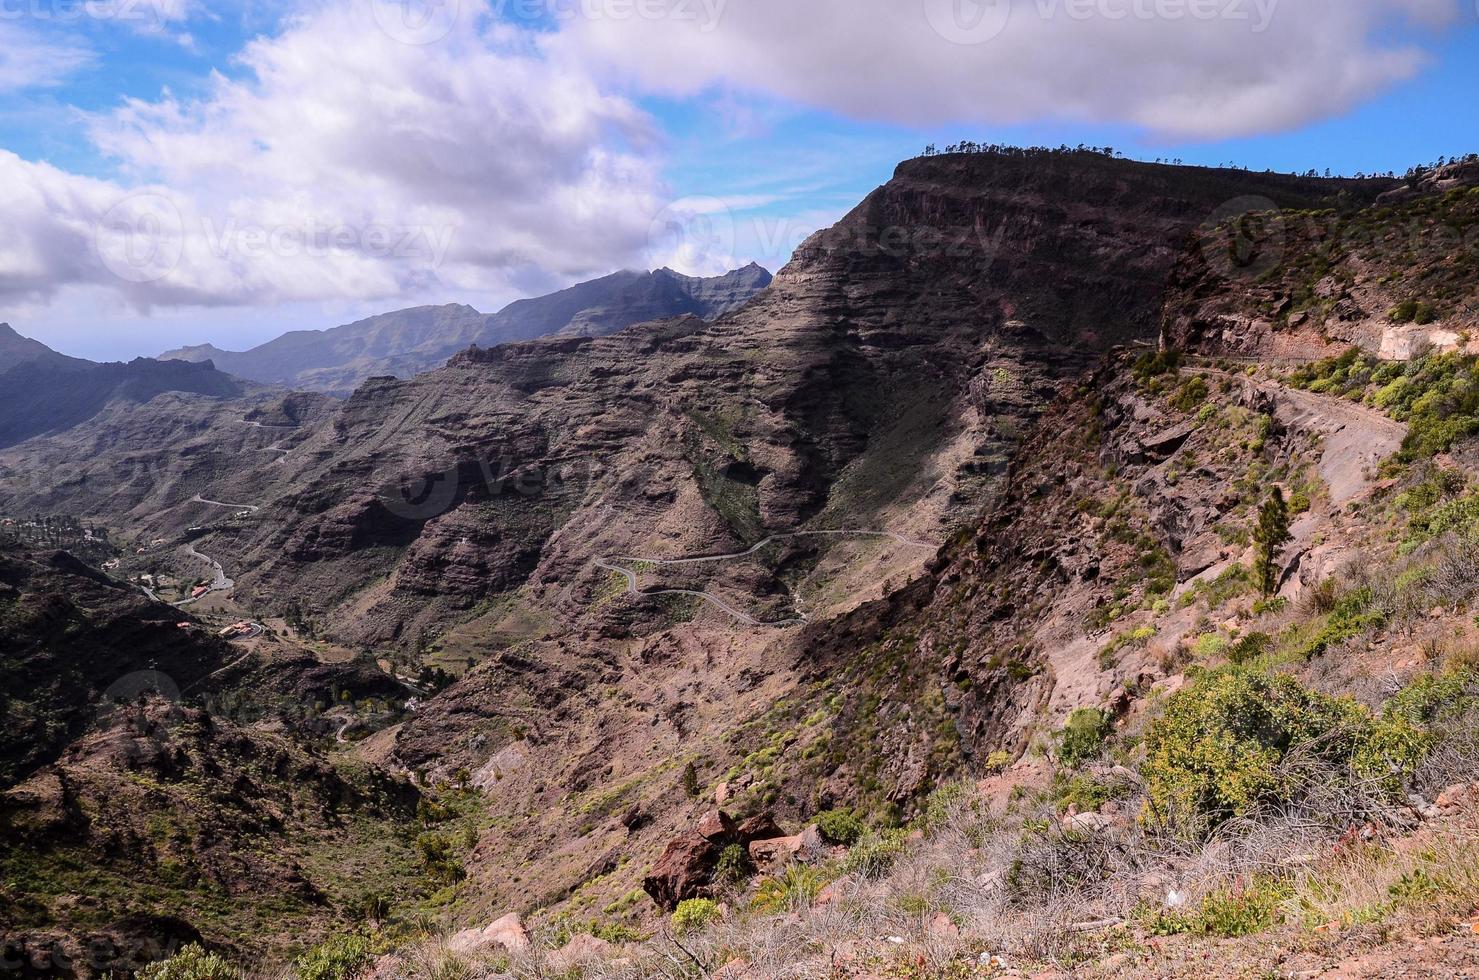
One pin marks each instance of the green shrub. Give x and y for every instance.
(1215, 752)
(338, 958)
(792, 891)
(1243, 911)
(734, 865)
(1083, 737)
(694, 913)
(840, 827)
(875, 854)
(191, 963)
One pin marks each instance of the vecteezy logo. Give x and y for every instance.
(1244, 238)
(141, 238)
(968, 21)
(421, 498)
(696, 231)
(418, 22)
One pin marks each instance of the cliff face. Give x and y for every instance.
(918, 372)
(1391, 278)
(40, 397)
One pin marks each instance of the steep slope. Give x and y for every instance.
(917, 372)
(68, 634)
(15, 349)
(1394, 279)
(880, 382)
(42, 397)
(409, 342)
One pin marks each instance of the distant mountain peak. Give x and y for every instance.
(408, 342)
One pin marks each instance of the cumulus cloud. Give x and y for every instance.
(347, 158)
(1178, 68)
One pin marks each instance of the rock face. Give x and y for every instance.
(889, 379)
(409, 342)
(1392, 277)
(41, 396)
(685, 870)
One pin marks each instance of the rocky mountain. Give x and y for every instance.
(1395, 278)
(44, 395)
(410, 342)
(907, 565)
(15, 350)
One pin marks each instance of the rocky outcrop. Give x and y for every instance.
(1392, 277)
(686, 867)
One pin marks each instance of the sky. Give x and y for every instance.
(178, 173)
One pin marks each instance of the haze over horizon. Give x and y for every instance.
(181, 175)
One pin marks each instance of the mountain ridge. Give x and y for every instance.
(408, 342)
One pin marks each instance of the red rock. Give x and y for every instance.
(759, 827)
(716, 826)
(683, 871)
(735, 969)
(1459, 797)
(775, 853)
(507, 932)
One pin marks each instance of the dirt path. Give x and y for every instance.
(1356, 439)
(198, 499)
(715, 601)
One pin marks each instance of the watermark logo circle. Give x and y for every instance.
(416, 22)
(421, 497)
(698, 232)
(141, 238)
(1244, 238)
(969, 21)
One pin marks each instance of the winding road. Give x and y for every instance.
(198, 499)
(632, 588)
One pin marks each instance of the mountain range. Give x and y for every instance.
(1058, 563)
(409, 342)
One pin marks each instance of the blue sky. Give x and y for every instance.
(549, 147)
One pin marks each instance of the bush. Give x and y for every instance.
(840, 827)
(1217, 750)
(1235, 912)
(338, 958)
(1083, 737)
(694, 913)
(875, 854)
(734, 866)
(791, 892)
(191, 963)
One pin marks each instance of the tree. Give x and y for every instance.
(1271, 534)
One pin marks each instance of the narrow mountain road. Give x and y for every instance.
(198, 499)
(715, 601)
(1356, 439)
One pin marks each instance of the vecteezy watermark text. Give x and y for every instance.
(980, 21)
(155, 12)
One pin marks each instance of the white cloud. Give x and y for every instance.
(1181, 68)
(345, 163)
(29, 61)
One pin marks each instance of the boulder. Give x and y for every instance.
(683, 871)
(507, 932)
(716, 826)
(759, 827)
(1461, 797)
(941, 926)
(774, 853)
